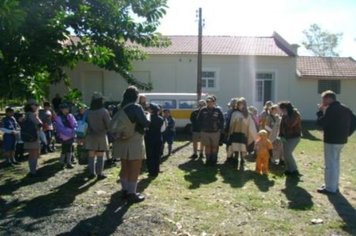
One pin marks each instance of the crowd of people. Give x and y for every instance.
(136, 129)
(270, 136)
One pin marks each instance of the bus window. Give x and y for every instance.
(165, 103)
(187, 104)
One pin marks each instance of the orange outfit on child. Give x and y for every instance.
(263, 147)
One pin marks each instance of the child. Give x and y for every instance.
(263, 149)
(66, 126)
(11, 130)
(169, 133)
(272, 126)
(46, 116)
(153, 141)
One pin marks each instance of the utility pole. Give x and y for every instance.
(200, 48)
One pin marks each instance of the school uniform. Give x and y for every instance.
(153, 143)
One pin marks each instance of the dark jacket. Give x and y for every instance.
(291, 126)
(194, 121)
(211, 119)
(336, 123)
(137, 115)
(153, 133)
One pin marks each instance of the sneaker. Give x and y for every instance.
(135, 197)
(101, 177)
(92, 176)
(201, 155)
(69, 166)
(194, 156)
(323, 190)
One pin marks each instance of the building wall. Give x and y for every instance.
(236, 78)
(306, 98)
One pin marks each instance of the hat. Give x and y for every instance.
(154, 107)
(97, 95)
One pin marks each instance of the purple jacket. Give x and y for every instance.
(66, 131)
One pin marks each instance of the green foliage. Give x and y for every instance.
(321, 42)
(37, 42)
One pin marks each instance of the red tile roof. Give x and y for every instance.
(223, 45)
(326, 67)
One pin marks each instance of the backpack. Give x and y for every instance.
(28, 130)
(121, 126)
(353, 124)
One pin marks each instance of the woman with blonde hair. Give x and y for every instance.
(242, 130)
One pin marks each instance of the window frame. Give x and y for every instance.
(328, 85)
(216, 80)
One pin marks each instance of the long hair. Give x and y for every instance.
(130, 95)
(244, 110)
(288, 106)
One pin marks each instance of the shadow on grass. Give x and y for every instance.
(346, 211)
(197, 174)
(298, 197)
(107, 222)
(44, 172)
(60, 198)
(237, 178)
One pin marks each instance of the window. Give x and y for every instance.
(334, 85)
(209, 80)
(187, 104)
(165, 103)
(264, 87)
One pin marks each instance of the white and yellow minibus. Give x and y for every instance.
(180, 104)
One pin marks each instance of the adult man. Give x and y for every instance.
(211, 120)
(335, 119)
(196, 130)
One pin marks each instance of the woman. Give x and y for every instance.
(33, 147)
(242, 130)
(131, 150)
(290, 133)
(96, 141)
(66, 126)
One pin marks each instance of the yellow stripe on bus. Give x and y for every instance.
(181, 114)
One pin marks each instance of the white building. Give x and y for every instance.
(257, 68)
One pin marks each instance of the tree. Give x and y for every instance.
(36, 41)
(321, 42)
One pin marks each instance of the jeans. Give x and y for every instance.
(289, 160)
(332, 166)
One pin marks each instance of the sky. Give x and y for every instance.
(262, 17)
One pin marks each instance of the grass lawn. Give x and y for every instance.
(187, 198)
